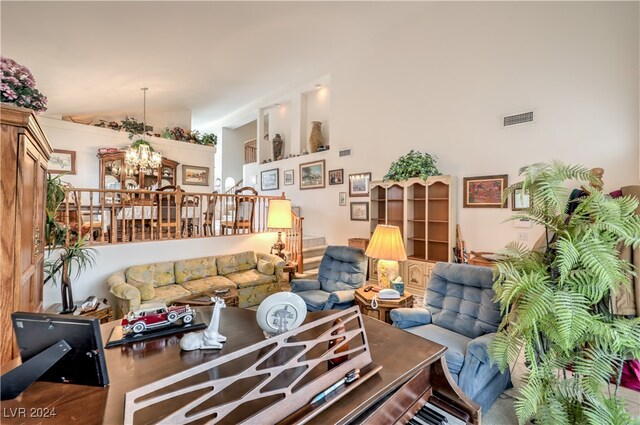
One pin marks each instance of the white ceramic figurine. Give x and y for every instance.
(210, 338)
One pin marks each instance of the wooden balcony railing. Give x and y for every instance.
(293, 241)
(120, 216)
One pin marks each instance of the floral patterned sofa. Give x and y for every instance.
(255, 275)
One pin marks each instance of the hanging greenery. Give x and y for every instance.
(555, 302)
(413, 164)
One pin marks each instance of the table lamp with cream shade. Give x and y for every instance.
(279, 218)
(386, 245)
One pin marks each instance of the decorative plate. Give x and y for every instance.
(111, 182)
(285, 306)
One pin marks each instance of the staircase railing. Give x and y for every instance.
(293, 241)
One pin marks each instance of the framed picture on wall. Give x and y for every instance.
(485, 191)
(336, 177)
(359, 211)
(269, 179)
(194, 175)
(312, 175)
(62, 161)
(359, 184)
(288, 177)
(342, 199)
(520, 200)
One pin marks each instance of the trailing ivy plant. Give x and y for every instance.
(556, 301)
(413, 164)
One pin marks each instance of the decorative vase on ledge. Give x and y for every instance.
(315, 139)
(278, 144)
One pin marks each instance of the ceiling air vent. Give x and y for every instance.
(522, 118)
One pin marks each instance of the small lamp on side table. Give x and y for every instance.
(279, 218)
(386, 245)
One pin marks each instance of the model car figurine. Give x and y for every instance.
(154, 316)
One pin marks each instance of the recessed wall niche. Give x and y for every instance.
(315, 105)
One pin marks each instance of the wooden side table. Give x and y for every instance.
(104, 311)
(204, 298)
(363, 301)
(290, 269)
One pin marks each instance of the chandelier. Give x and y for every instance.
(140, 154)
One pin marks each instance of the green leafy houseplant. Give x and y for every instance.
(413, 164)
(555, 301)
(67, 248)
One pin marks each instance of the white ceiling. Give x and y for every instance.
(207, 57)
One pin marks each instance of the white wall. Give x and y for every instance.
(440, 82)
(85, 140)
(232, 145)
(112, 258)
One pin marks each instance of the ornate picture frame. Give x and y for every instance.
(195, 176)
(359, 184)
(359, 211)
(312, 175)
(288, 177)
(62, 161)
(485, 191)
(336, 177)
(269, 179)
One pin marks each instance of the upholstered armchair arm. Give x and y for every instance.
(409, 317)
(299, 285)
(478, 368)
(127, 296)
(338, 297)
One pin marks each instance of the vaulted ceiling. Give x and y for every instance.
(210, 58)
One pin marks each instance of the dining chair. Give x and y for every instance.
(210, 214)
(168, 206)
(242, 222)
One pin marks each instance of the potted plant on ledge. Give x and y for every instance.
(556, 301)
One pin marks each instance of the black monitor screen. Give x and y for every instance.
(84, 364)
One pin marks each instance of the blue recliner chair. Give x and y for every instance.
(342, 271)
(460, 314)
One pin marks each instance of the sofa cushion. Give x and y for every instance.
(250, 278)
(208, 284)
(266, 267)
(147, 290)
(196, 268)
(158, 274)
(455, 342)
(236, 262)
(170, 293)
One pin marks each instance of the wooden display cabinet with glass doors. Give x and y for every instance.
(116, 174)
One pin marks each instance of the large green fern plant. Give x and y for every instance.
(555, 301)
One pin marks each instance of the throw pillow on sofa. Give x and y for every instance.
(266, 267)
(147, 290)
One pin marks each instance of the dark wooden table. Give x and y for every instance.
(134, 365)
(204, 298)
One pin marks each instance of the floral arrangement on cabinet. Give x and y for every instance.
(18, 86)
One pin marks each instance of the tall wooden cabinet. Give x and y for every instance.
(424, 210)
(24, 154)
